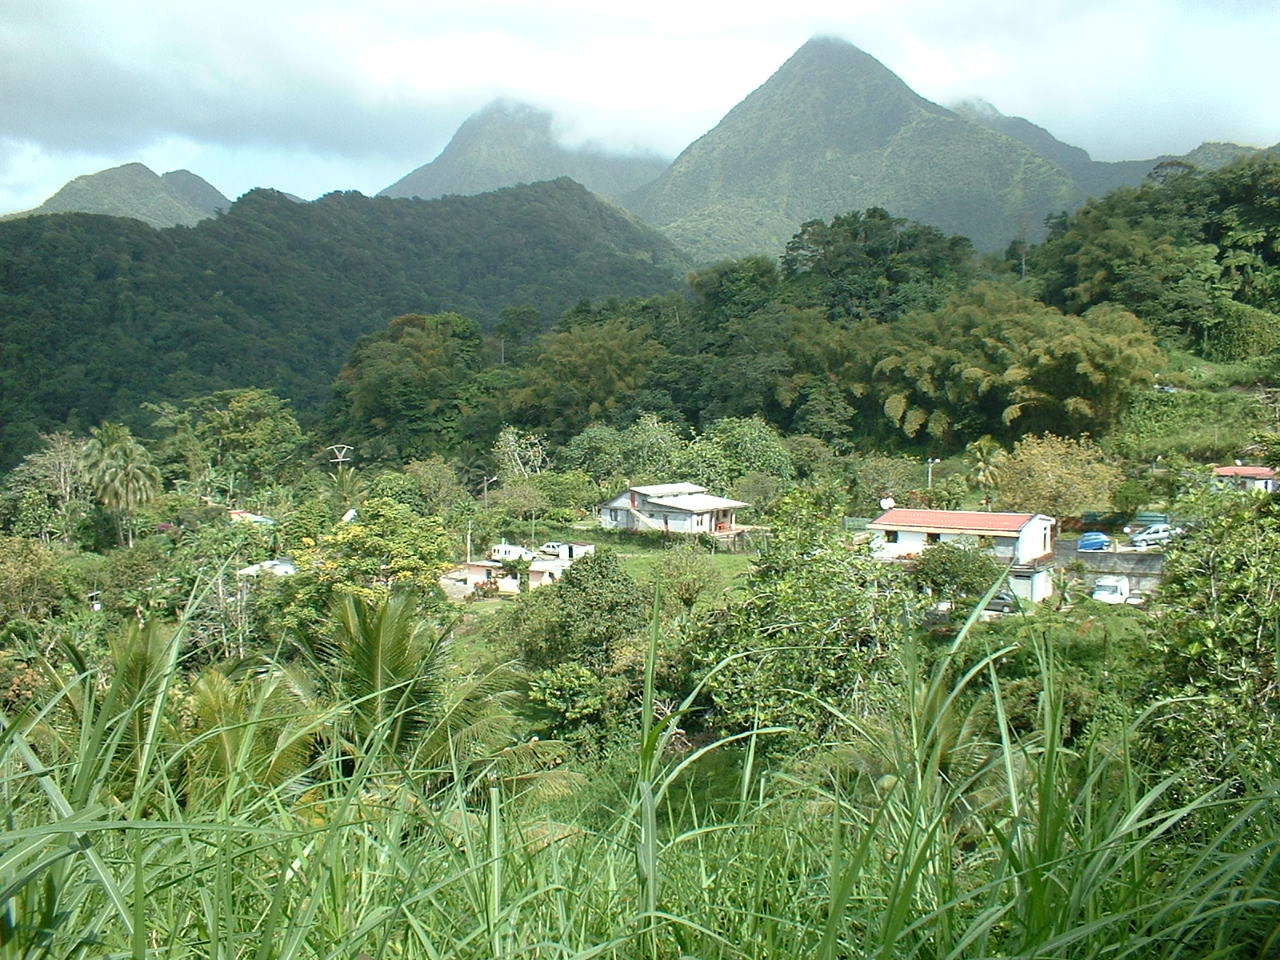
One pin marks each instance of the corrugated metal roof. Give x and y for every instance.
(976, 522)
(698, 503)
(668, 489)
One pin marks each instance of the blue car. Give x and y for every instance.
(1094, 540)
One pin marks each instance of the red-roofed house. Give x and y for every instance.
(1024, 540)
(1247, 478)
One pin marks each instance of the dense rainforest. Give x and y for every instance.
(244, 710)
(868, 332)
(101, 314)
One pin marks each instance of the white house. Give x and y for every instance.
(671, 508)
(1024, 540)
(1261, 479)
(492, 575)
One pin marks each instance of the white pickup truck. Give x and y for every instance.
(1115, 589)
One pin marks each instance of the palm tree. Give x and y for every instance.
(121, 473)
(985, 458)
(406, 696)
(349, 488)
(258, 729)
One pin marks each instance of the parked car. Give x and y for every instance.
(1002, 601)
(1156, 533)
(1115, 589)
(1094, 540)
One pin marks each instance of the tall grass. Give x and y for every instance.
(932, 833)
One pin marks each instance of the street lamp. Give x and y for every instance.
(929, 465)
(487, 481)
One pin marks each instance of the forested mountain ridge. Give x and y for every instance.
(509, 143)
(178, 198)
(1095, 177)
(870, 332)
(99, 314)
(834, 130)
(196, 190)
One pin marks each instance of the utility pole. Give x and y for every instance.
(929, 465)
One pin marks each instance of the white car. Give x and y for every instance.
(1157, 533)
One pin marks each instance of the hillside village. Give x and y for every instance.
(806, 573)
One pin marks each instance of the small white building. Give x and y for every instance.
(1244, 477)
(493, 575)
(671, 508)
(1024, 540)
(566, 551)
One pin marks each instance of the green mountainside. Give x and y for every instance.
(99, 314)
(834, 130)
(1214, 155)
(195, 190)
(510, 143)
(1095, 177)
(179, 198)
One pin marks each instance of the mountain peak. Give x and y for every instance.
(520, 122)
(839, 93)
(834, 130)
(838, 51)
(135, 190)
(508, 142)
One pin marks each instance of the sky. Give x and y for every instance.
(310, 97)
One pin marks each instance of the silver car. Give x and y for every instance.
(1157, 533)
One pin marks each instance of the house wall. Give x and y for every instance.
(907, 543)
(912, 543)
(1035, 586)
(617, 515)
(479, 573)
(1035, 540)
(1247, 484)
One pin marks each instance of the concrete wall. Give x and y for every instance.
(1145, 570)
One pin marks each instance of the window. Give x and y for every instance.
(891, 536)
(613, 515)
(932, 537)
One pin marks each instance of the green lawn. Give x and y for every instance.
(643, 564)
